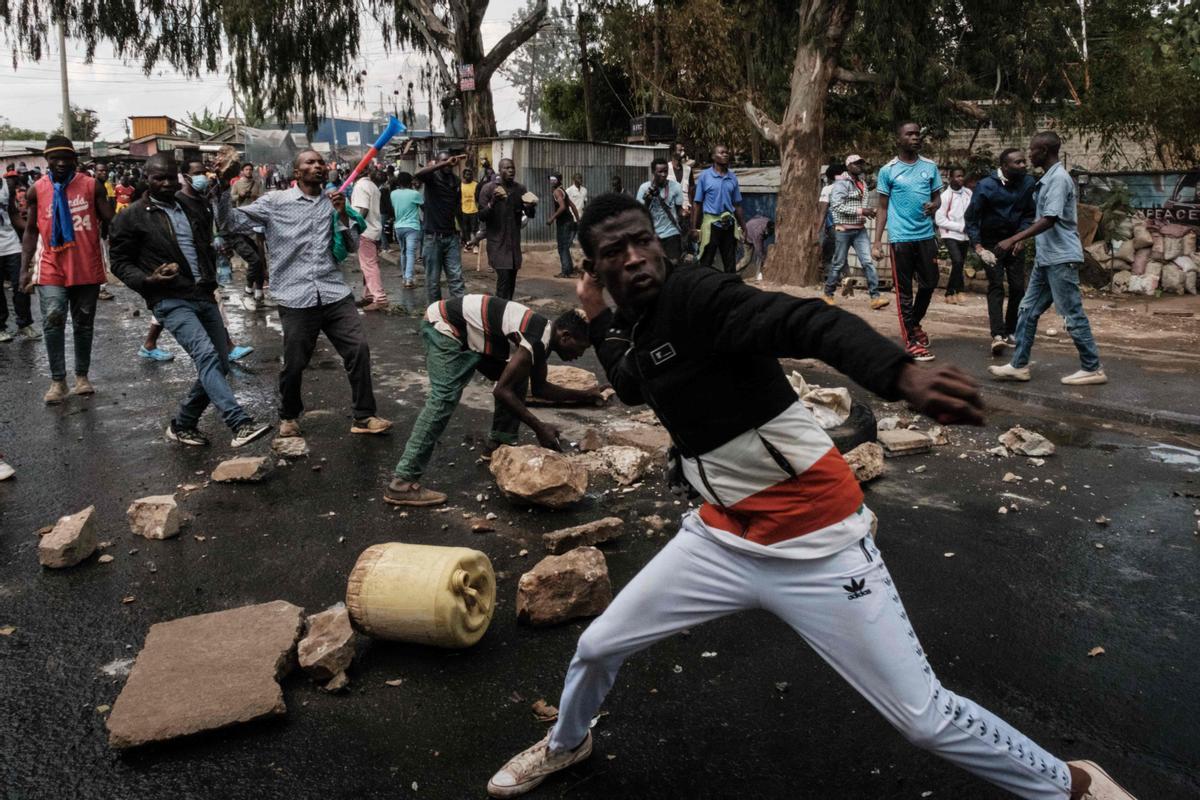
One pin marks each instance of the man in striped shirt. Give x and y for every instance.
(504, 341)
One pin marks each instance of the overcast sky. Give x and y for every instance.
(30, 97)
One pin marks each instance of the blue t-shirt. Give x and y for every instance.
(670, 196)
(908, 187)
(1056, 197)
(717, 193)
(406, 205)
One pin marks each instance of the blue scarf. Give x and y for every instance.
(62, 226)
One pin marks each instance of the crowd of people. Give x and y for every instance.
(993, 216)
(783, 524)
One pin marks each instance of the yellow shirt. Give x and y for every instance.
(468, 198)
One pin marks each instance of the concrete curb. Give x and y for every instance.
(1172, 421)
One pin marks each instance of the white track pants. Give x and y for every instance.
(847, 608)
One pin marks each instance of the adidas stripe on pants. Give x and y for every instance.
(846, 607)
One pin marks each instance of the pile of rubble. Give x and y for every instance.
(1146, 258)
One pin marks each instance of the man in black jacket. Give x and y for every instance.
(1002, 206)
(783, 526)
(161, 247)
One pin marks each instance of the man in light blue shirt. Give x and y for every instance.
(664, 198)
(718, 204)
(910, 191)
(1055, 278)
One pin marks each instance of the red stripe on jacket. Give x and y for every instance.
(823, 495)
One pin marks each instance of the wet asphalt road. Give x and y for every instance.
(1008, 620)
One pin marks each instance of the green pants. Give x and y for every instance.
(450, 368)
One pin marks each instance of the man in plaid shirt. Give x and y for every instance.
(848, 202)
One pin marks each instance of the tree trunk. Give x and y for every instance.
(796, 257)
(479, 112)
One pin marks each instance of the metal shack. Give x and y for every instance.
(536, 157)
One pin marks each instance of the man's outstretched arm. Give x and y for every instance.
(736, 319)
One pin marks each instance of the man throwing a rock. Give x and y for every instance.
(783, 526)
(162, 249)
(505, 342)
(308, 233)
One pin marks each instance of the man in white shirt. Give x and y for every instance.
(578, 194)
(950, 220)
(365, 201)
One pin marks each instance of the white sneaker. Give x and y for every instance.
(529, 768)
(1103, 787)
(249, 303)
(267, 301)
(6, 335)
(1085, 378)
(998, 345)
(1009, 373)
(6, 470)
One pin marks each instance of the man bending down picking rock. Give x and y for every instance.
(505, 342)
(783, 526)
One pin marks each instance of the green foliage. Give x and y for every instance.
(84, 124)
(552, 54)
(207, 120)
(1144, 81)
(562, 105)
(10, 131)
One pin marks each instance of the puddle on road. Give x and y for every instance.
(1184, 457)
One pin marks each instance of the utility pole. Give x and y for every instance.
(67, 120)
(233, 94)
(333, 121)
(586, 74)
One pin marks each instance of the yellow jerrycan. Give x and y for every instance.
(441, 596)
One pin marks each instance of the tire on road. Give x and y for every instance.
(859, 427)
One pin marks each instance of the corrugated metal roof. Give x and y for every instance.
(758, 179)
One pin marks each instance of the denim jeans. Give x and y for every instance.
(564, 234)
(1057, 285)
(198, 328)
(443, 251)
(450, 369)
(861, 241)
(408, 239)
(55, 301)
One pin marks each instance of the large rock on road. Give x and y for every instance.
(536, 475)
(561, 588)
(72, 539)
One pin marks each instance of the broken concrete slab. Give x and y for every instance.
(1026, 443)
(866, 461)
(904, 442)
(243, 469)
(536, 475)
(71, 540)
(206, 672)
(590, 533)
(649, 438)
(155, 517)
(328, 647)
(289, 447)
(564, 587)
